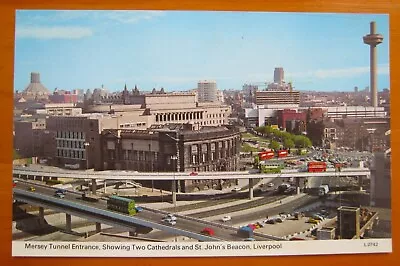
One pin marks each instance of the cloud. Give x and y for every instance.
(130, 17)
(56, 32)
(66, 16)
(338, 73)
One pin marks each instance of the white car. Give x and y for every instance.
(235, 189)
(170, 216)
(168, 221)
(226, 218)
(270, 184)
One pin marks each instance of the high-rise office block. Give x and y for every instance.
(278, 75)
(207, 91)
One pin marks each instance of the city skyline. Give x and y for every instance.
(176, 49)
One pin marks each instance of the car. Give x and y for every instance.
(60, 191)
(271, 221)
(32, 189)
(312, 221)
(168, 221)
(226, 218)
(235, 189)
(207, 231)
(138, 209)
(170, 216)
(60, 195)
(317, 217)
(279, 220)
(270, 184)
(193, 174)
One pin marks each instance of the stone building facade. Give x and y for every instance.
(174, 148)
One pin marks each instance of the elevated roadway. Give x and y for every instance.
(133, 175)
(73, 204)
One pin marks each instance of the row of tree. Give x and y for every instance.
(287, 139)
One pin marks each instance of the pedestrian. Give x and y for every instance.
(280, 202)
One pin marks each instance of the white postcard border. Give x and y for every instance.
(197, 249)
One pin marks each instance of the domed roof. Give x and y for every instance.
(35, 88)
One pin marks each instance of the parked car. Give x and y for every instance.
(312, 221)
(271, 221)
(193, 174)
(270, 184)
(138, 209)
(235, 189)
(226, 218)
(32, 189)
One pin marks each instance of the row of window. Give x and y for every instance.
(70, 144)
(178, 116)
(71, 154)
(141, 124)
(70, 135)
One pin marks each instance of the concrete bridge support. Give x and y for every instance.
(98, 227)
(297, 186)
(94, 186)
(41, 213)
(68, 225)
(251, 189)
(360, 182)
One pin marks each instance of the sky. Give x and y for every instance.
(176, 49)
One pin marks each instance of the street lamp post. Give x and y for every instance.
(174, 158)
(151, 159)
(87, 144)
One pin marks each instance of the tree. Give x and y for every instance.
(274, 145)
(288, 143)
(302, 141)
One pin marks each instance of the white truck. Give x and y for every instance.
(323, 190)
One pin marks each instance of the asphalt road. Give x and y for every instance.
(188, 225)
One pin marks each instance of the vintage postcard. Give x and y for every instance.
(195, 134)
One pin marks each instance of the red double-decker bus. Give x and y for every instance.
(282, 153)
(266, 155)
(316, 166)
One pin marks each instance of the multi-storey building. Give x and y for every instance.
(174, 148)
(30, 138)
(60, 109)
(268, 97)
(207, 91)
